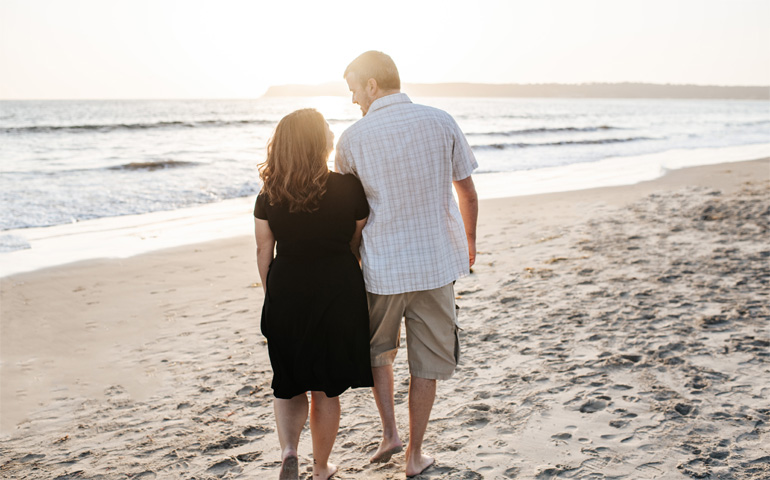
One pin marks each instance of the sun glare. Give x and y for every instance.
(338, 111)
(239, 48)
(334, 109)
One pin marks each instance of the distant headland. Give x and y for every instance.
(548, 90)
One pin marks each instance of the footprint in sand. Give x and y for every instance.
(230, 442)
(512, 472)
(225, 466)
(683, 409)
(593, 406)
(31, 457)
(249, 457)
(621, 387)
(477, 420)
(146, 475)
(246, 391)
(650, 468)
(458, 443)
(618, 423)
(257, 431)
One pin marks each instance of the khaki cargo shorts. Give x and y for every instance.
(432, 336)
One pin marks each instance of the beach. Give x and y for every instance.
(618, 332)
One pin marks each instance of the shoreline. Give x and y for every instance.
(618, 329)
(129, 235)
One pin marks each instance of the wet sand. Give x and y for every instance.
(619, 332)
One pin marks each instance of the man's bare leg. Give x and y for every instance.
(422, 393)
(383, 397)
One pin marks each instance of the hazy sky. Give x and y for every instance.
(237, 48)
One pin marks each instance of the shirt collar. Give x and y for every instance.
(388, 100)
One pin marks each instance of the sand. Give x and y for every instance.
(614, 333)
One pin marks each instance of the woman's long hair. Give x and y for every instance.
(295, 172)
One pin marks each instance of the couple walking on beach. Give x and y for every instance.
(331, 326)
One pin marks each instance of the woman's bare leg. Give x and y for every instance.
(324, 423)
(290, 417)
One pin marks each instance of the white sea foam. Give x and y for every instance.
(125, 236)
(610, 171)
(11, 243)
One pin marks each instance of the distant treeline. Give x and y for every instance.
(558, 90)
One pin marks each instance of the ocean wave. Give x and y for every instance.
(11, 243)
(525, 116)
(748, 124)
(528, 131)
(109, 127)
(150, 166)
(605, 141)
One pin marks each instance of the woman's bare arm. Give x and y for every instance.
(265, 248)
(355, 242)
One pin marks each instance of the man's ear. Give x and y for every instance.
(371, 86)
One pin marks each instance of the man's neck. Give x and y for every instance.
(385, 93)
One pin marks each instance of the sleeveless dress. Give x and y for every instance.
(315, 315)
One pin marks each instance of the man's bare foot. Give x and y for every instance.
(387, 449)
(324, 473)
(289, 468)
(415, 466)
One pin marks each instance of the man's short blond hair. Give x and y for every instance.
(376, 65)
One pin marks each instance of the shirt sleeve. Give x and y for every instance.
(360, 205)
(341, 158)
(260, 207)
(463, 160)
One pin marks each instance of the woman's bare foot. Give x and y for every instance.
(324, 473)
(417, 465)
(289, 468)
(387, 449)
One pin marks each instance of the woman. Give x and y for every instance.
(315, 315)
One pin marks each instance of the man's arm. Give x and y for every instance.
(469, 209)
(341, 164)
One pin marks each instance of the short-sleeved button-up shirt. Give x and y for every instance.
(406, 156)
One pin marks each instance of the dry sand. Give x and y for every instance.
(611, 333)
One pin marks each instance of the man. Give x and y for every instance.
(416, 242)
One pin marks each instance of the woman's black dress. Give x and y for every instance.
(315, 316)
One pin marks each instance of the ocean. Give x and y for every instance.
(69, 163)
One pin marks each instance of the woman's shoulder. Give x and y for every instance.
(343, 179)
(347, 190)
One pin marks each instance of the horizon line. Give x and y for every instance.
(623, 82)
(412, 84)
